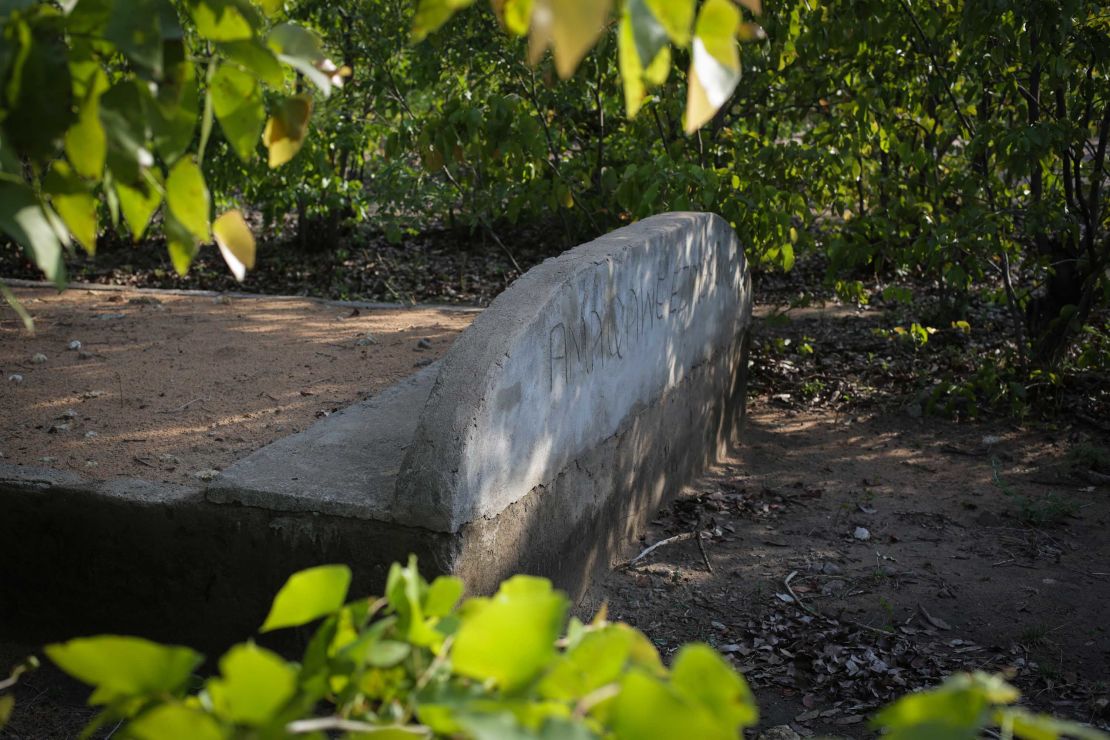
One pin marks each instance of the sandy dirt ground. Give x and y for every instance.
(172, 387)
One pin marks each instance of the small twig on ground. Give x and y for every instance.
(670, 540)
(144, 462)
(701, 546)
(183, 406)
(798, 602)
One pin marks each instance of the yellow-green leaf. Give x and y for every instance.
(676, 16)
(175, 721)
(515, 15)
(286, 130)
(254, 685)
(309, 595)
(124, 666)
(510, 637)
(431, 14)
(24, 219)
(86, 144)
(237, 102)
(569, 28)
(187, 197)
(74, 202)
(714, 62)
(236, 243)
(139, 202)
(180, 243)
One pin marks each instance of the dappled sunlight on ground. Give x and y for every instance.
(166, 387)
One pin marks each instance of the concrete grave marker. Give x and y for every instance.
(594, 387)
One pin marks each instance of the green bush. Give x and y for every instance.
(416, 664)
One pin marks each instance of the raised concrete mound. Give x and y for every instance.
(594, 387)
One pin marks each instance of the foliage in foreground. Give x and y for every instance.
(413, 664)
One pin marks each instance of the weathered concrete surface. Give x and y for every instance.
(562, 361)
(344, 465)
(591, 390)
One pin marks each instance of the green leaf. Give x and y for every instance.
(515, 15)
(406, 592)
(187, 198)
(309, 595)
(74, 201)
(569, 28)
(648, 709)
(176, 106)
(714, 62)
(633, 74)
(957, 709)
(1020, 723)
(431, 14)
(236, 243)
(225, 20)
(442, 596)
(387, 653)
(676, 17)
(705, 679)
(140, 201)
(255, 684)
(122, 114)
(301, 49)
(86, 144)
(23, 219)
(648, 33)
(510, 637)
(175, 722)
(255, 57)
(7, 704)
(180, 243)
(39, 90)
(237, 101)
(124, 667)
(287, 128)
(135, 28)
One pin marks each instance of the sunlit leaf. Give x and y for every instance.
(301, 49)
(86, 144)
(514, 15)
(74, 202)
(139, 202)
(236, 243)
(286, 129)
(510, 637)
(714, 62)
(308, 595)
(703, 677)
(124, 666)
(568, 27)
(237, 102)
(431, 14)
(676, 16)
(175, 721)
(224, 20)
(187, 197)
(254, 684)
(23, 219)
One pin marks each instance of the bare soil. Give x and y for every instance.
(852, 552)
(172, 387)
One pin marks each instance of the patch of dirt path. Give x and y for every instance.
(858, 556)
(171, 387)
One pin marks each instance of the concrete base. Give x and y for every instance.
(201, 564)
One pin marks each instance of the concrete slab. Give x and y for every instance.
(590, 390)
